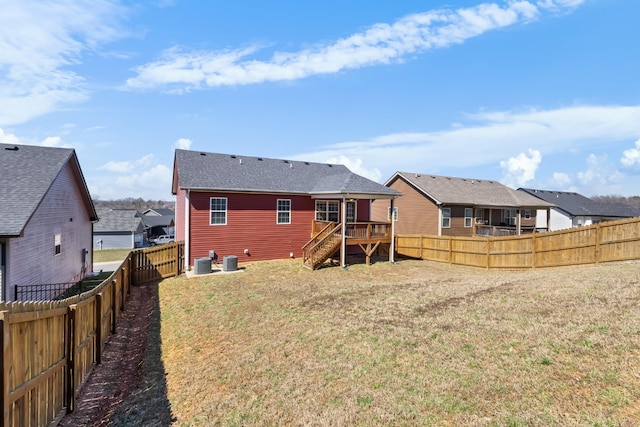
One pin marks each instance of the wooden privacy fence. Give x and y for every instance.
(50, 348)
(602, 242)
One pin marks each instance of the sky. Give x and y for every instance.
(538, 94)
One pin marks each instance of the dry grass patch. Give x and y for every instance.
(405, 344)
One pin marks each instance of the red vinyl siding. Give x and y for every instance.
(251, 224)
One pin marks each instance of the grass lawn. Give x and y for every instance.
(416, 343)
(107, 255)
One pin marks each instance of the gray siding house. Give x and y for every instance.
(119, 229)
(46, 218)
(574, 210)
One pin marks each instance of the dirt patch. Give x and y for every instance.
(119, 374)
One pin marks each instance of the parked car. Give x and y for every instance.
(160, 240)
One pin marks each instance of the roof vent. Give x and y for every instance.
(233, 157)
(330, 166)
(14, 148)
(240, 160)
(260, 159)
(306, 163)
(203, 154)
(286, 161)
(290, 165)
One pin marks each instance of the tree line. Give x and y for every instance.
(139, 204)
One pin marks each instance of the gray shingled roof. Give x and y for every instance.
(474, 192)
(27, 174)
(197, 170)
(578, 205)
(119, 220)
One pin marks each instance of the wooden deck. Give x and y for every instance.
(326, 240)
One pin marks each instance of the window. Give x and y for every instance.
(351, 211)
(446, 217)
(468, 217)
(509, 216)
(218, 211)
(527, 214)
(479, 216)
(327, 210)
(284, 211)
(57, 247)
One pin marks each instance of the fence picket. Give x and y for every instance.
(48, 349)
(603, 242)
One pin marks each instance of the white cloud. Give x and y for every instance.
(8, 139)
(128, 166)
(382, 43)
(40, 41)
(519, 170)
(560, 180)
(183, 143)
(631, 157)
(490, 138)
(355, 166)
(600, 177)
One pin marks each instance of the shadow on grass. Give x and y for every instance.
(148, 405)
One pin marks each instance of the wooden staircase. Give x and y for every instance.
(322, 246)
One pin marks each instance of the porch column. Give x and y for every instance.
(519, 222)
(392, 248)
(343, 248)
(548, 219)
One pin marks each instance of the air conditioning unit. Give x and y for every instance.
(202, 266)
(230, 263)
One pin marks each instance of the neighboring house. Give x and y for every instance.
(259, 208)
(158, 222)
(46, 218)
(448, 206)
(119, 229)
(573, 209)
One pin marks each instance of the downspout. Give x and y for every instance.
(343, 250)
(187, 239)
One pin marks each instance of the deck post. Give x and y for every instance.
(343, 248)
(392, 246)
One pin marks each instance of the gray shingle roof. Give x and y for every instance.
(119, 220)
(197, 170)
(578, 205)
(27, 174)
(464, 191)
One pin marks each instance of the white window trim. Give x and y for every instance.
(468, 219)
(278, 211)
(446, 217)
(226, 211)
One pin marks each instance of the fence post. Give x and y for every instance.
(597, 248)
(488, 243)
(71, 335)
(4, 380)
(99, 328)
(114, 306)
(533, 250)
(177, 258)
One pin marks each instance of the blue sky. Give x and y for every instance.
(539, 93)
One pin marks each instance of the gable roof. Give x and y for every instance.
(196, 170)
(578, 205)
(445, 190)
(119, 220)
(158, 212)
(28, 172)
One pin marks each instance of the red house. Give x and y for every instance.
(258, 208)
